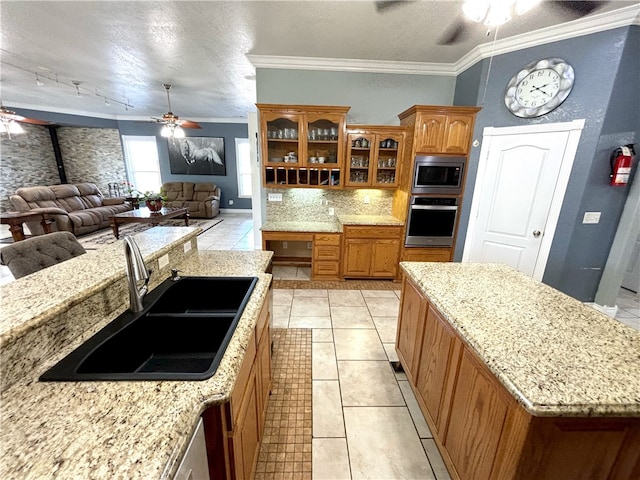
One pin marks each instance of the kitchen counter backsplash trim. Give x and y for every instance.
(42, 313)
(555, 355)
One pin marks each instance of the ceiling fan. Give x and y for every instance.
(173, 126)
(10, 121)
(484, 11)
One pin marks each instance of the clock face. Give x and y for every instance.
(539, 87)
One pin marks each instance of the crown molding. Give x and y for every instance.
(596, 23)
(351, 65)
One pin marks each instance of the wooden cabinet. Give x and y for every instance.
(440, 129)
(374, 156)
(431, 254)
(413, 311)
(302, 145)
(233, 430)
(439, 358)
(371, 252)
(326, 256)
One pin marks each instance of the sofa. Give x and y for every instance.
(77, 208)
(201, 199)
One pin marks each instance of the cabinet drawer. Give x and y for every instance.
(327, 239)
(322, 252)
(372, 232)
(326, 268)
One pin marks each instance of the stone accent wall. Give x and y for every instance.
(26, 160)
(310, 204)
(92, 155)
(89, 155)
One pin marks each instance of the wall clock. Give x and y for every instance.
(539, 87)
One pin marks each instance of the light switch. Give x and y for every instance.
(331, 211)
(275, 197)
(591, 217)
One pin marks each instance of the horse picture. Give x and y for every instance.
(197, 155)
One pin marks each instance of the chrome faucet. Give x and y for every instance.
(136, 272)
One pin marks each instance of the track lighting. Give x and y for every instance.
(77, 84)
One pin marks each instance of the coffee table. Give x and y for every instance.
(144, 215)
(16, 219)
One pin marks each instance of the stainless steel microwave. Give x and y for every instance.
(442, 175)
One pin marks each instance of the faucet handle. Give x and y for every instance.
(174, 274)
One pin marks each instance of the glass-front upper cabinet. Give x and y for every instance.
(302, 146)
(374, 156)
(283, 140)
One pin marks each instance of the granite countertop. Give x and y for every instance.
(375, 220)
(555, 355)
(330, 227)
(132, 430)
(303, 227)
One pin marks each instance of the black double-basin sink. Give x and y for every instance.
(181, 334)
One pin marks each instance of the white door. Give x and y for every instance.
(513, 215)
(631, 279)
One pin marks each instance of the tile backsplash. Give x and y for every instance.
(313, 204)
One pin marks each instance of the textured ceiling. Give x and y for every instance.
(125, 51)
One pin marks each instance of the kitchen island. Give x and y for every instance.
(107, 430)
(517, 380)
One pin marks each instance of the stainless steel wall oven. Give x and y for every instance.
(431, 221)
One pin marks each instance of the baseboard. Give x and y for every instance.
(609, 311)
(235, 210)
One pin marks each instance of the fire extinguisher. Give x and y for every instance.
(621, 161)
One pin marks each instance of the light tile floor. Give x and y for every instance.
(366, 421)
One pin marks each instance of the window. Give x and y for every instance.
(141, 159)
(243, 162)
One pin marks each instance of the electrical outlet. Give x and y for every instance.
(186, 247)
(366, 199)
(275, 197)
(591, 217)
(285, 245)
(332, 211)
(230, 202)
(163, 261)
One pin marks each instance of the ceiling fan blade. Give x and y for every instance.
(35, 121)
(8, 114)
(189, 124)
(576, 9)
(457, 32)
(383, 6)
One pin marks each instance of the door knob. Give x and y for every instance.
(536, 233)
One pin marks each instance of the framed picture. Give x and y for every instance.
(197, 156)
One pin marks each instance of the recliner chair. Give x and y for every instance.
(36, 253)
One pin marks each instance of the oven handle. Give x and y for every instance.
(432, 207)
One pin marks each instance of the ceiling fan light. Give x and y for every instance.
(178, 132)
(15, 128)
(475, 10)
(166, 131)
(11, 127)
(498, 15)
